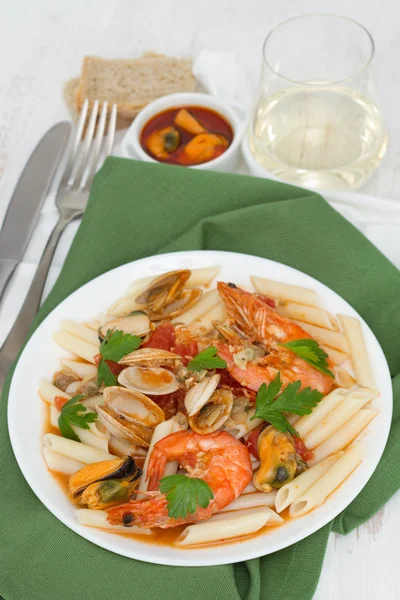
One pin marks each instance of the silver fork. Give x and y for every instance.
(71, 201)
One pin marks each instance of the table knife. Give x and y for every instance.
(27, 199)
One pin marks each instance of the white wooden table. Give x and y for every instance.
(42, 43)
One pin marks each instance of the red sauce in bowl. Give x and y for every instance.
(186, 135)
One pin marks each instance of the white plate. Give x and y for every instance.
(40, 359)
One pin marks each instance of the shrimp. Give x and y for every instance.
(218, 458)
(258, 322)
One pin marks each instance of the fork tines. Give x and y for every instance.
(88, 150)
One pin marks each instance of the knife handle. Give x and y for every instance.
(6, 270)
(30, 307)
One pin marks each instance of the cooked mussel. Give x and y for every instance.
(278, 459)
(204, 147)
(136, 323)
(129, 415)
(163, 142)
(188, 122)
(155, 381)
(106, 483)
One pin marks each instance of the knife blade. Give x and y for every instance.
(27, 199)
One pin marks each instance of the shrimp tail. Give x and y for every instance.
(151, 512)
(156, 467)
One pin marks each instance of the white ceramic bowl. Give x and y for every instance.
(234, 113)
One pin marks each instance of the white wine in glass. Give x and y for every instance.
(316, 122)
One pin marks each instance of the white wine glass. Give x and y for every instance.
(316, 122)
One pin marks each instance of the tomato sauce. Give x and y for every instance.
(212, 122)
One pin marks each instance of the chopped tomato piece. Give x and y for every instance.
(114, 367)
(59, 402)
(187, 351)
(302, 450)
(252, 440)
(171, 403)
(163, 337)
(237, 389)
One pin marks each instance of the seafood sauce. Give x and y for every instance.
(186, 136)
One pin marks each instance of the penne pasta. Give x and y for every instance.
(206, 302)
(225, 526)
(93, 436)
(174, 424)
(336, 356)
(79, 347)
(358, 351)
(80, 331)
(98, 518)
(93, 401)
(338, 417)
(308, 314)
(345, 435)
(123, 448)
(320, 412)
(249, 489)
(285, 291)
(251, 501)
(202, 276)
(73, 388)
(205, 323)
(94, 325)
(61, 464)
(291, 491)
(343, 378)
(333, 339)
(81, 369)
(332, 479)
(47, 391)
(76, 450)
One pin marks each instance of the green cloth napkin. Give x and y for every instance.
(139, 209)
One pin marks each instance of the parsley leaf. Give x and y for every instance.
(310, 351)
(291, 400)
(208, 359)
(71, 414)
(184, 494)
(115, 346)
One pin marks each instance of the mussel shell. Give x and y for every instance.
(136, 323)
(278, 459)
(155, 381)
(118, 468)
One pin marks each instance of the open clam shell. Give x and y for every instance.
(150, 357)
(155, 381)
(199, 395)
(183, 302)
(213, 414)
(164, 289)
(129, 415)
(136, 323)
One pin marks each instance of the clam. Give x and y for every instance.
(150, 357)
(63, 379)
(213, 414)
(278, 460)
(165, 297)
(129, 415)
(208, 407)
(88, 386)
(106, 483)
(136, 323)
(155, 381)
